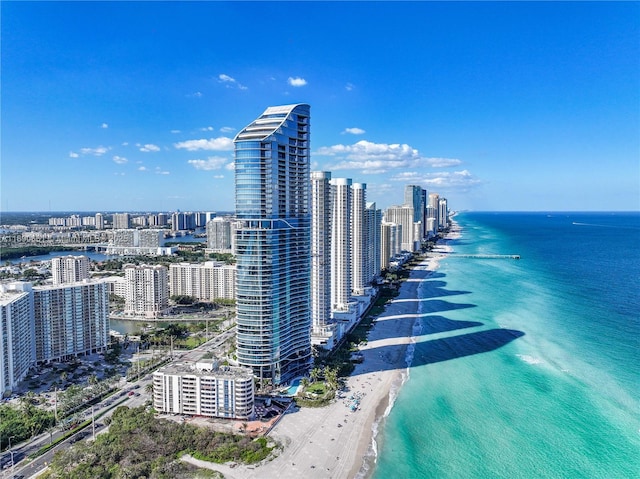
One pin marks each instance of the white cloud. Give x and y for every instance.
(175, 131)
(119, 173)
(211, 163)
(104, 125)
(218, 177)
(226, 78)
(99, 151)
(230, 81)
(371, 158)
(354, 131)
(149, 147)
(227, 129)
(443, 179)
(126, 143)
(195, 95)
(162, 173)
(297, 81)
(142, 168)
(120, 160)
(349, 86)
(73, 155)
(207, 128)
(230, 166)
(221, 143)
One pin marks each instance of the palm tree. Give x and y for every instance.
(331, 376)
(304, 382)
(149, 388)
(314, 374)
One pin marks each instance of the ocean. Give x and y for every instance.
(524, 368)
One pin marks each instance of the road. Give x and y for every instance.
(35, 467)
(101, 410)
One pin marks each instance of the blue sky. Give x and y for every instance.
(497, 106)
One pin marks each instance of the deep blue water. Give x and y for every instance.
(537, 373)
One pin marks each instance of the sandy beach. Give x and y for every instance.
(333, 441)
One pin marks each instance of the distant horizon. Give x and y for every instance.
(451, 210)
(137, 104)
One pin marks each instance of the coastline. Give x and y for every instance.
(332, 441)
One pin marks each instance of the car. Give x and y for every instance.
(131, 393)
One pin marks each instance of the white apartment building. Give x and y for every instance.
(341, 276)
(322, 328)
(121, 221)
(116, 285)
(69, 269)
(70, 319)
(99, 221)
(443, 213)
(206, 281)
(403, 216)
(147, 290)
(203, 389)
(434, 207)
(17, 347)
(390, 243)
(133, 242)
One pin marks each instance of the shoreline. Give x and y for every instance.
(332, 441)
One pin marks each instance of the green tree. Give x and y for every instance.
(314, 374)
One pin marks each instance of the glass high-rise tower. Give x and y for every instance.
(273, 244)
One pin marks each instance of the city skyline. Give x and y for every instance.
(122, 106)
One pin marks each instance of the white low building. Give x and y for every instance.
(204, 389)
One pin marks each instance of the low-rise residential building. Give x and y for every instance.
(204, 389)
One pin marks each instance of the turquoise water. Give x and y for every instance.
(536, 374)
(293, 389)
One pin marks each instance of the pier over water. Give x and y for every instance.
(485, 256)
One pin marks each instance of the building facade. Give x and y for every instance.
(359, 240)
(373, 222)
(272, 179)
(17, 346)
(147, 293)
(70, 319)
(341, 258)
(403, 216)
(205, 281)
(219, 235)
(203, 389)
(121, 221)
(321, 211)
(69, 269)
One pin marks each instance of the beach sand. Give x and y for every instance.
(333, 442)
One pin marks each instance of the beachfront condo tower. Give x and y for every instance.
(341, 244)
(323, 328)
(273, 257)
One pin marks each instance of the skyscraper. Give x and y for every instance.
(359, 239)
(341, 258)
(320, 253)
(415, 196)
(273, 244)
